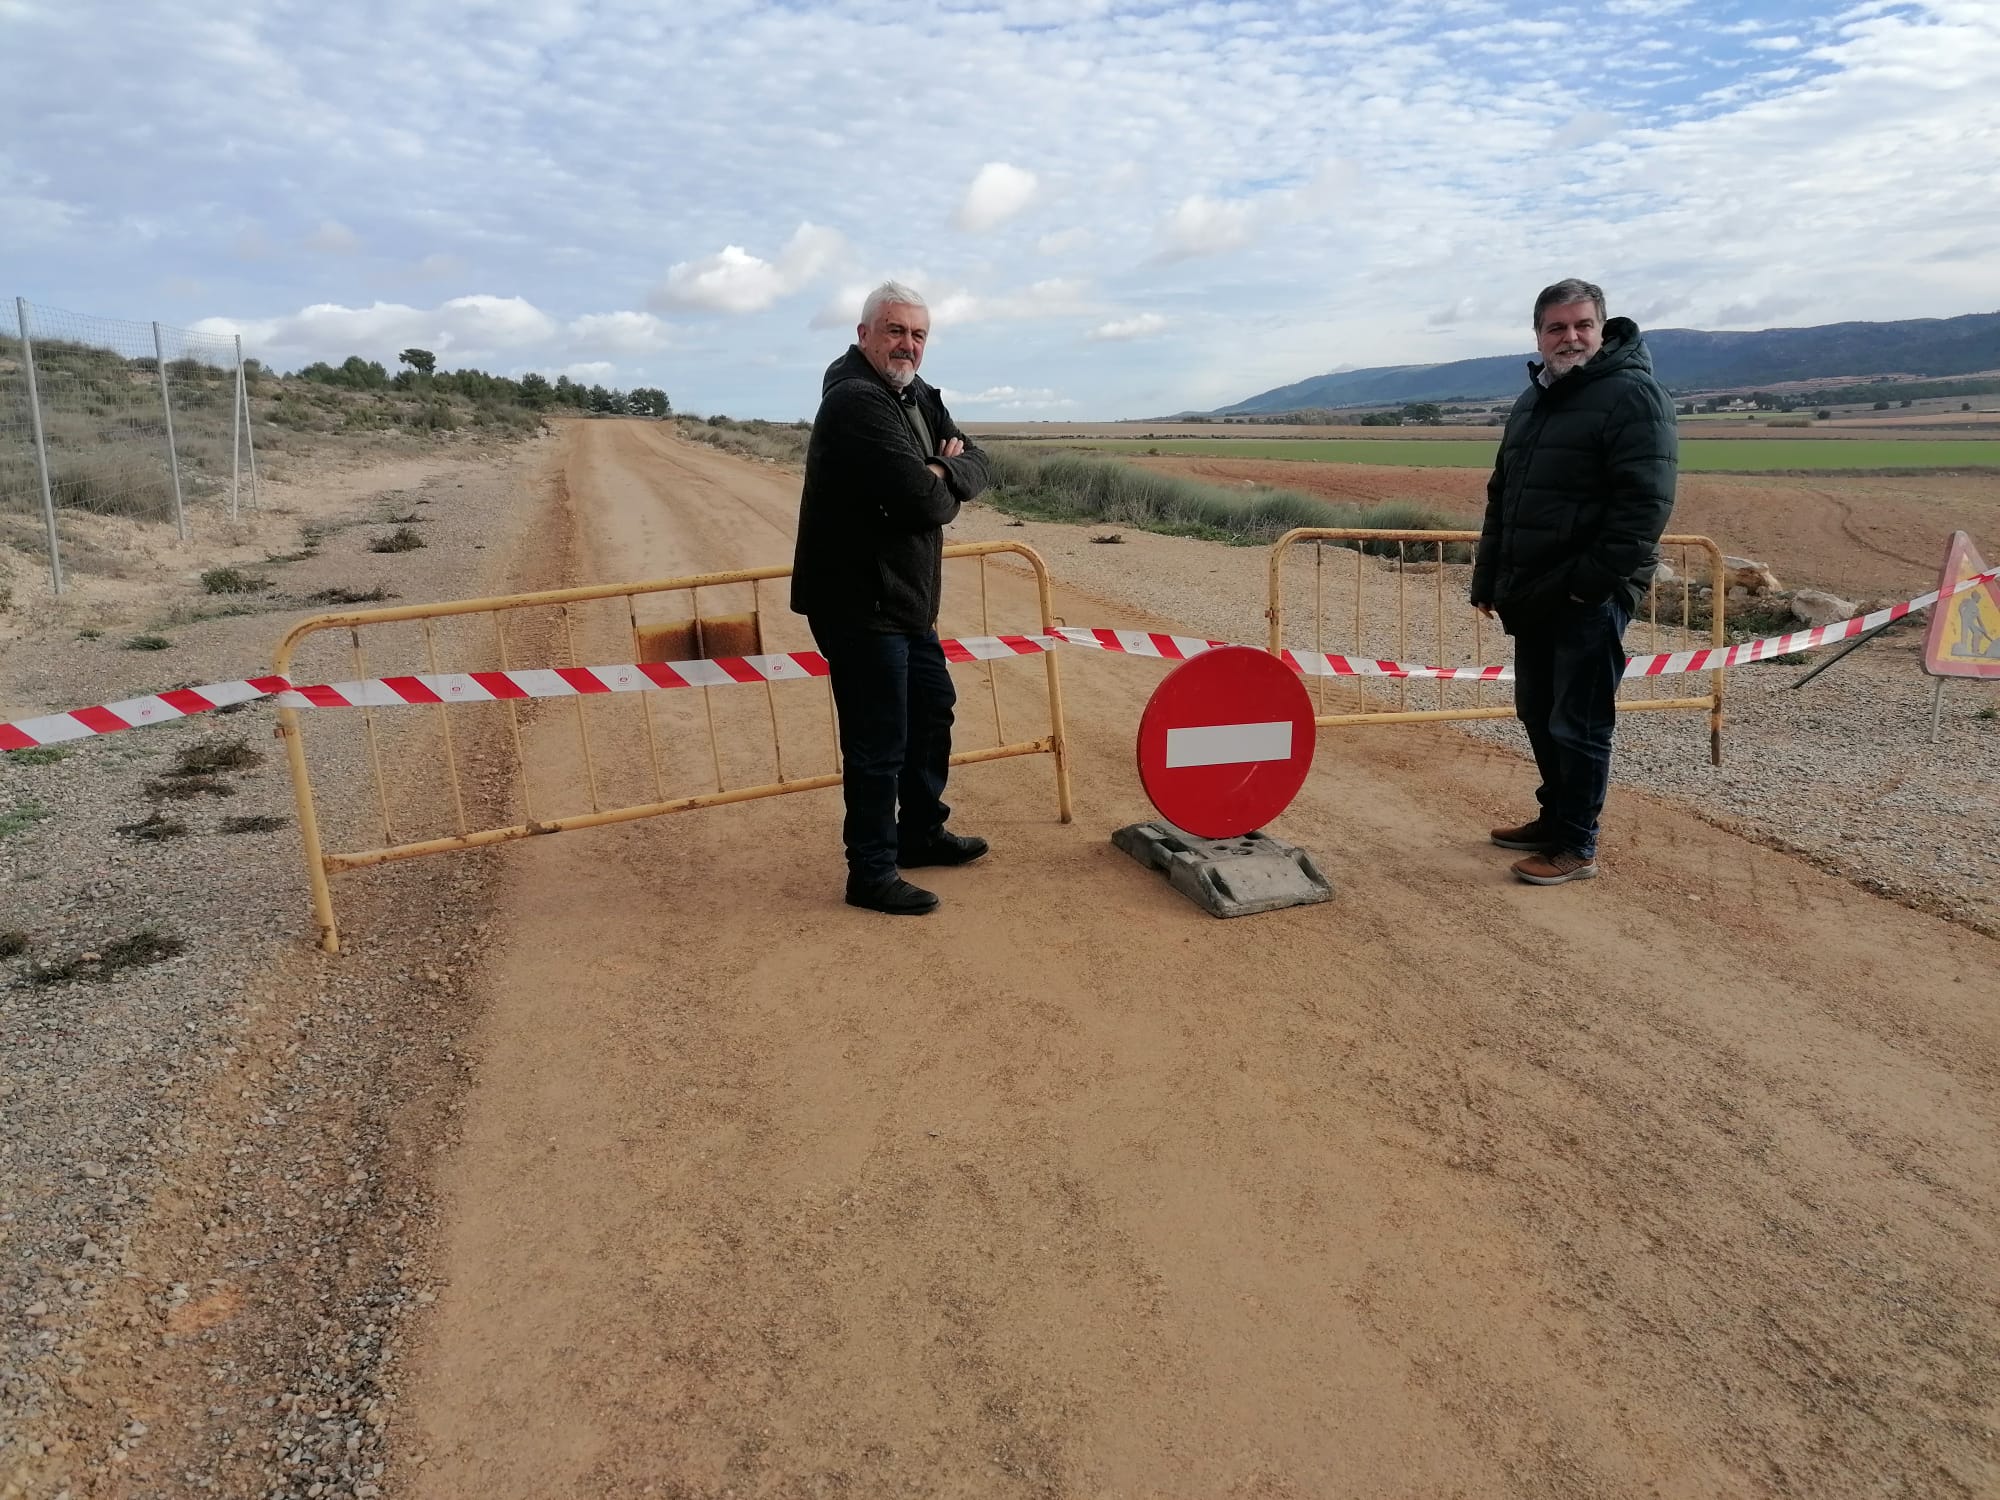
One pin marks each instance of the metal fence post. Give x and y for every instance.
(41, 443)
(251, 447)
(236, 430)
(173, 457)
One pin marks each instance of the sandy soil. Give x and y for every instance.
(1678, 1183)
(1859, 537)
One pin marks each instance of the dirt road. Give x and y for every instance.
(1683, 1182)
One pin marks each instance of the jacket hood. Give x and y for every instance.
(853, 365)
(1623, 349)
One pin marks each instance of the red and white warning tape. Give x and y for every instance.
(109, 718)
(563, 682)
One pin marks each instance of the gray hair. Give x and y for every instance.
(1566, 291)
(887, 293)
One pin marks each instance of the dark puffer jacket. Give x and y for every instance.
(1582, 488)
(871, 548)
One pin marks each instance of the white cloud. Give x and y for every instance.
(333, 238)
(28, 214)
(591, 372)
(1200, 225)
(560, 153)
(1777, 44)
(996, 194)
(1144, 325)
(1586, 129)
(1056, 297)
(957, 306)
(621, 332)
(735, 281)
(1066, 241)
(467, 328)
(1010, 398)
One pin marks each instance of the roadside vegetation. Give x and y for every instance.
(1825, 455)
(1086, 488)
(106, 433)
(773, 442)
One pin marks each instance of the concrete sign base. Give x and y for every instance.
(1227, 877)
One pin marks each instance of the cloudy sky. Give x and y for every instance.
(1115, 209)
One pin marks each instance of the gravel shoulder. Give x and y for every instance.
(206, 1238)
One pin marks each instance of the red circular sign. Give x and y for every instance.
(1226, 741)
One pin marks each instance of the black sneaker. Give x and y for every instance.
(942, 849)
(895, 896)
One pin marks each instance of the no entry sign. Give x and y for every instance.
(1225, 742)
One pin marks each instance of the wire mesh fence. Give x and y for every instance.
(101, 417)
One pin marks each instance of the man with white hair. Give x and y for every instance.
(886, 470)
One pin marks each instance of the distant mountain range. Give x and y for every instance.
(1685, 359)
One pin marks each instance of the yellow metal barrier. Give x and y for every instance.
(712, 635)
(1435, 552)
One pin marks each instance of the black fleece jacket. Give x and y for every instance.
(871, 543)
(1582, 488)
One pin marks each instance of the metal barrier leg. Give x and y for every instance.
(302, 797)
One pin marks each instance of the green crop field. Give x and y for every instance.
(1702, 455)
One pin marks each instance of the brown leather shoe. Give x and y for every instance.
(1555, 868)
(1531, 836)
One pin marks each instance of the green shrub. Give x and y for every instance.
(147, 643)
(776, 442)
(430, 416)
(147, 946)
(260, 823)
(402, 539)
(22, 816)
(232, 581)
(222, 755)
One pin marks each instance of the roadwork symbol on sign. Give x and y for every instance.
(1964, 639)
(1226, 741)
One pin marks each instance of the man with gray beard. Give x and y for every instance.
(1580, 493)
(886, 470)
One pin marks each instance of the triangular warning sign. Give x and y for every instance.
(1964, 639)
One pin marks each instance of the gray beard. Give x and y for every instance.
(901, 379)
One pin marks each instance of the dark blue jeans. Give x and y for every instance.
(1567, 668)
(895, 697)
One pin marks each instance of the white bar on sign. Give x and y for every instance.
(1229, 744)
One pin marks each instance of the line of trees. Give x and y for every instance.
(532, 390)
